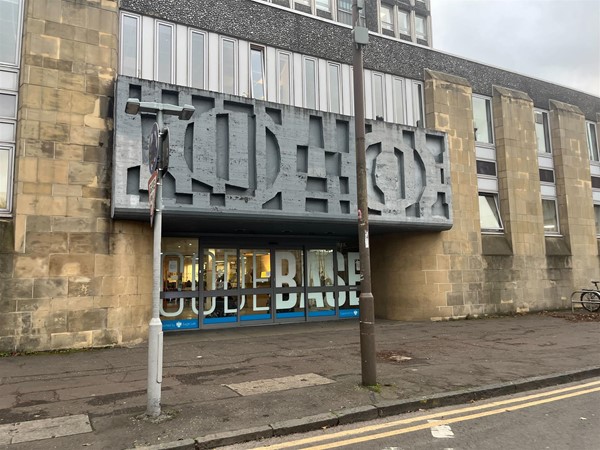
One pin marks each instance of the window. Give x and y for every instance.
(489, 213)
(550, 216)
(344, 11)
(542, 131)
(257, 72)
(164, 53)
(482, 118)
(6, 162)
(421, 27)
(310, 83)
(378, 96)
(323, 5)
(386, 17)
(592, 138)
(10, 31)
(404, 22)
(284, 78)
(130, 45)
(597, 215)
(398, 87)
(334, 88)
(486, 168)
(228, 66)
(197, 59)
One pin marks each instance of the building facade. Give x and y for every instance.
(484, 185)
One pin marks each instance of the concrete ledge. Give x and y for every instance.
(304, 424)
(358, 414)
(233, 437)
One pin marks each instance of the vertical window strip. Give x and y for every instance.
(334, 88)
(386, 17)
(398, 100)
(482, 120)
(164, 52)
(378, 96)
(421, 27)
(6, 170)
(228, 66)
(257, 72)
(550, 216)
(284, 71)
(542, 132)
(130, 45)
(310, 83)
(197, 59)
(489, 213)
(404, 22)
(592, 138)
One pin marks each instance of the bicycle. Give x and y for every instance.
(590, 298)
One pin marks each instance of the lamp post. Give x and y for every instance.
(158, 164)
(360, 38)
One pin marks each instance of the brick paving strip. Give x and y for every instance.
(35, 430)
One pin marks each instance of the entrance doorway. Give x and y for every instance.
(208, 285)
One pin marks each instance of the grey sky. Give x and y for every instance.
(554, 40)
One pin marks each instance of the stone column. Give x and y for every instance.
(76, 279)
(574, 189)
(438, 275)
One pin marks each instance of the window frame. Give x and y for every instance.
(10, 149)
(18, 39)
(157, 48)
(490, 121)
(263, 52)
(556, 216)
(340, 105)
(408, 30)
(315, 61)
(495, 197)
(138, 47)
(381, 76)
(597, 218)
(392, 24)
(546, 130)
(222, 40)
(592, 141)
(290, 71)
(191, 33)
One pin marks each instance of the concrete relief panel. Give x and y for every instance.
(254, 159)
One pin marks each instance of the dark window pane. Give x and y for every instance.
(547, 176)
(486, 168)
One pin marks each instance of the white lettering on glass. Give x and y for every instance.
(285, 279)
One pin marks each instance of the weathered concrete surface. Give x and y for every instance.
(446, 357)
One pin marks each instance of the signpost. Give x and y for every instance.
(158, 160)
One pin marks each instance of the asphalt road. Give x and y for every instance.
(564, 417)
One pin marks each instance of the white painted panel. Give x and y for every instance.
(388, 98)
(595, 169)
(409, 99)
(148, 48)
(346, 90)
(487, 184)
(485, 153)
(323, 85)
(548, 190)
(298, 81)
(545, 162)
(596, 196)
(368, 95)
(271, 64)
(213, 62)
(181, 55)
(243, 66)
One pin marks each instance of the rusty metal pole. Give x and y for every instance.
(366, 300)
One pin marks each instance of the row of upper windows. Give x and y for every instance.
(393, 20)
(176, 54)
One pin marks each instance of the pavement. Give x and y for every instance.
(223, 387)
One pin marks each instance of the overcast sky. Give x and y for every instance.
(553, 40)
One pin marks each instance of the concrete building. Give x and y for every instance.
(484, 185)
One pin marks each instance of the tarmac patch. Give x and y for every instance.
(278, 384)
(35, 430)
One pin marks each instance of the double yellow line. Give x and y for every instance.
(345, 437)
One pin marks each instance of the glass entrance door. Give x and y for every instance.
(255, 285)
(289, 284)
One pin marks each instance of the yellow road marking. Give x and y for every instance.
(449, 421)
(371, 428)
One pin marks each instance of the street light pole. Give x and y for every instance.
(366, 301)
(155, 334)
